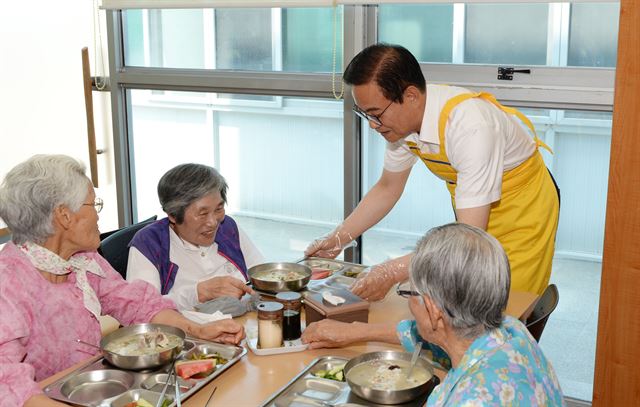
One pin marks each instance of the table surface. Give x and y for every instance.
(254, 378)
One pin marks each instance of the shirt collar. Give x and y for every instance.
(429, 128)
(175, 239)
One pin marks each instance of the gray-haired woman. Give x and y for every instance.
(197, 253)
(54, 285)
(459, 287)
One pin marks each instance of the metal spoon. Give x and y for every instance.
(414, 358)
(164, 389)
(88, 344)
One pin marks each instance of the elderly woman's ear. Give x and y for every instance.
(62, 217)
(433, 313)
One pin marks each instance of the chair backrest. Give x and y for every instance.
(115, 248)
(544, 307)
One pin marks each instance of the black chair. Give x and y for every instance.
(115, 248)
(544, 307)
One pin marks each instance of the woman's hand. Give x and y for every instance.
(329, 333)
(222, 287)
(223, 331)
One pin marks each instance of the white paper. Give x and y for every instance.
(332, 299)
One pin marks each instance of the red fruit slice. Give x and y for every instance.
(188, 368)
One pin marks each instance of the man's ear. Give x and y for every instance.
(62, 217)
(435, 315)
(411, 94)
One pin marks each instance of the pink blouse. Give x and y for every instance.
(40, 321)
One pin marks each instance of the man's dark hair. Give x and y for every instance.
(392, 67)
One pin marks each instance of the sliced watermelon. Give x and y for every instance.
(320, 273)
(189, 368)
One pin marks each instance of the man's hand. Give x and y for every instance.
(222, 287)
(375, 284)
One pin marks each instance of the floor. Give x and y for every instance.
(569, 338)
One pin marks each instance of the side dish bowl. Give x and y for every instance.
(278, 277)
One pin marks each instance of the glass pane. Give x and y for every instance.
(308, 39)
(425, 30)
(296, 40)
(179, 41)
(268, 153)
(506, 34)
(580, 164)
(592, 43)
(243, 39)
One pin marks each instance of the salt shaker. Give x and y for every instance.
(269, 324)
(292, 302)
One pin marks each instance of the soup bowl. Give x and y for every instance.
(374, 395)
(260, 276)
(147, 361)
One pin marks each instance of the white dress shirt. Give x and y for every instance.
(482, 142)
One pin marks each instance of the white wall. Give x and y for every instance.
(42, 101)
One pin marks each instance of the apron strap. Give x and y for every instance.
(454, 101)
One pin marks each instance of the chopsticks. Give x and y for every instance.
(211, 396)
(164, 389)
(177, 387)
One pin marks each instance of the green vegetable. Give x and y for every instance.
(204, 356)
(337, 373)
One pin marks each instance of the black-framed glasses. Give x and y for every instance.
(404, 290)
(98, 204)
(373, 118)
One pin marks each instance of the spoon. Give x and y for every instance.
(88, 344)
(414, 358)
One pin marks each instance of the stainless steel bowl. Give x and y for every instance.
(279, 286)
(389, 396)
(145, 361)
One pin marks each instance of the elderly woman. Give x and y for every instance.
(196, 253)
(459, 288)
(55, 285)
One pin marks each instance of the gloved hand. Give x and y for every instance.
(331, 245)
(230, 305)
(374, 283)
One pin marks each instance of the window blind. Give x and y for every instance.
(168, 4)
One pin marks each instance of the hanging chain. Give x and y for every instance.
(335, 51)
(97, 50)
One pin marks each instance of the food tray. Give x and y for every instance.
(100, 384)
(289, 347)
(306, 390)
(337, 267)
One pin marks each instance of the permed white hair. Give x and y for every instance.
(34, 188)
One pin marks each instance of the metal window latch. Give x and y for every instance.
(506, 73)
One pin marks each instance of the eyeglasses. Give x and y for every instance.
(98, 204)
(373, 118)
(404, 290)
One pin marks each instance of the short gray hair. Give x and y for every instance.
(34, 188)
(182, 185)
(465, 271)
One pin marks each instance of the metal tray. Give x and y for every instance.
(100, 384)
(306, 390)
(337, 267)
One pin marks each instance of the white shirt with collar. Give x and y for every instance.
(482, 142)
(195, 264)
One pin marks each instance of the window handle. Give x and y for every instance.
(506, 73)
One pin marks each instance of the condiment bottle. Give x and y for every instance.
(269, 325)
(292, 302)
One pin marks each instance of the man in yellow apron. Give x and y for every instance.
(488, 160)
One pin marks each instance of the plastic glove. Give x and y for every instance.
(222, 287)
(374, 284)
(329, 333)
(331, 245)
(230, 305)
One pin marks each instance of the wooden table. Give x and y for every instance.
(254, 378)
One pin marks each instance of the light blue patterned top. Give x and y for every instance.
(504, 367)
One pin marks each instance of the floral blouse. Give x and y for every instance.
(504, 367)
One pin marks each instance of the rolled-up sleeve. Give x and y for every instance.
(130, 302)
(17, 379)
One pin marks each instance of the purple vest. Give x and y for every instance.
(153, 242)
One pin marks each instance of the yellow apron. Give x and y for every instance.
(525, 219)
